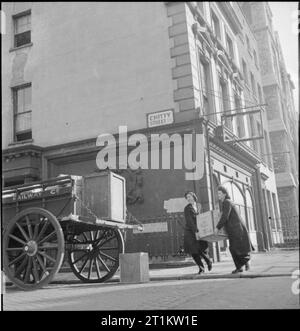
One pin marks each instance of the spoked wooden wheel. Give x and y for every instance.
(33, 248)
(94, 255)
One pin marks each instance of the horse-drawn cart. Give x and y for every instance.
(84, 217)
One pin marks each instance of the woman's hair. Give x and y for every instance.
(224, 191)
(192, 194)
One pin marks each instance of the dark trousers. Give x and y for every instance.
(239, 260)
(198, 259)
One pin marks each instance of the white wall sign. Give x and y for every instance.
(160, 118)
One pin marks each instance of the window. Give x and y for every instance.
(268, 151)
(216, 25)
(261, 142)
(230, 46)
(248, 44)
(205, 87)
(22, 113)
(253, 84)
(245, 72)
(252, 132)
(260, 97)
(22, 29)
(255, 58)
(201, 6)
(239, 118)
(224, 103)
(275, 63)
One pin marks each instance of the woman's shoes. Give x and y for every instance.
(201, 271)
(237, 271)
(247, 266)
(209, 266)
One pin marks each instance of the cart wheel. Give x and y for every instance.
(33, 248)
(94, 255)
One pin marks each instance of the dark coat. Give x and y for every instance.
(237, 232)
(191, 244)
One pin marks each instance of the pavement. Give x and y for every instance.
(274, 263)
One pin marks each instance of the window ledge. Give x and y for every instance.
(19, 143)
(20, 47)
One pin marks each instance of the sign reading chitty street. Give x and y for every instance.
(160, 118)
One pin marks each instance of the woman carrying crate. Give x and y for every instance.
(197, 248)
(239, 241)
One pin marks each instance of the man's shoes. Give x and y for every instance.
(237, 271)
(209, 266)
(247, 266)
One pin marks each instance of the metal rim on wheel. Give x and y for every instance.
(33, 248)
(94, 255)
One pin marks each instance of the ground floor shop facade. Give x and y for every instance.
(155, 197)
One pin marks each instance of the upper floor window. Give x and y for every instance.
(240, 126)
(260, 97)
(245, 72)
(224, 103)
(255, 58)
(216, 25)
(205, 78)
(252, 130)
(22, 29)
(230, 46)
(253, 84)
(200, 5)
(22, 112)
(248, 44)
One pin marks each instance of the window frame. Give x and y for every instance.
(253, 86)
(215, 18)
(14, 20)
(230, 49)
(245, 72)
(15, 90)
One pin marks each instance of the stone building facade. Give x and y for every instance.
(281, 114)
(70, 74)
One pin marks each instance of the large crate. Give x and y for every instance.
(206, 223)
(105, 195)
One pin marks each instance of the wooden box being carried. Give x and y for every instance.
(206, 223)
